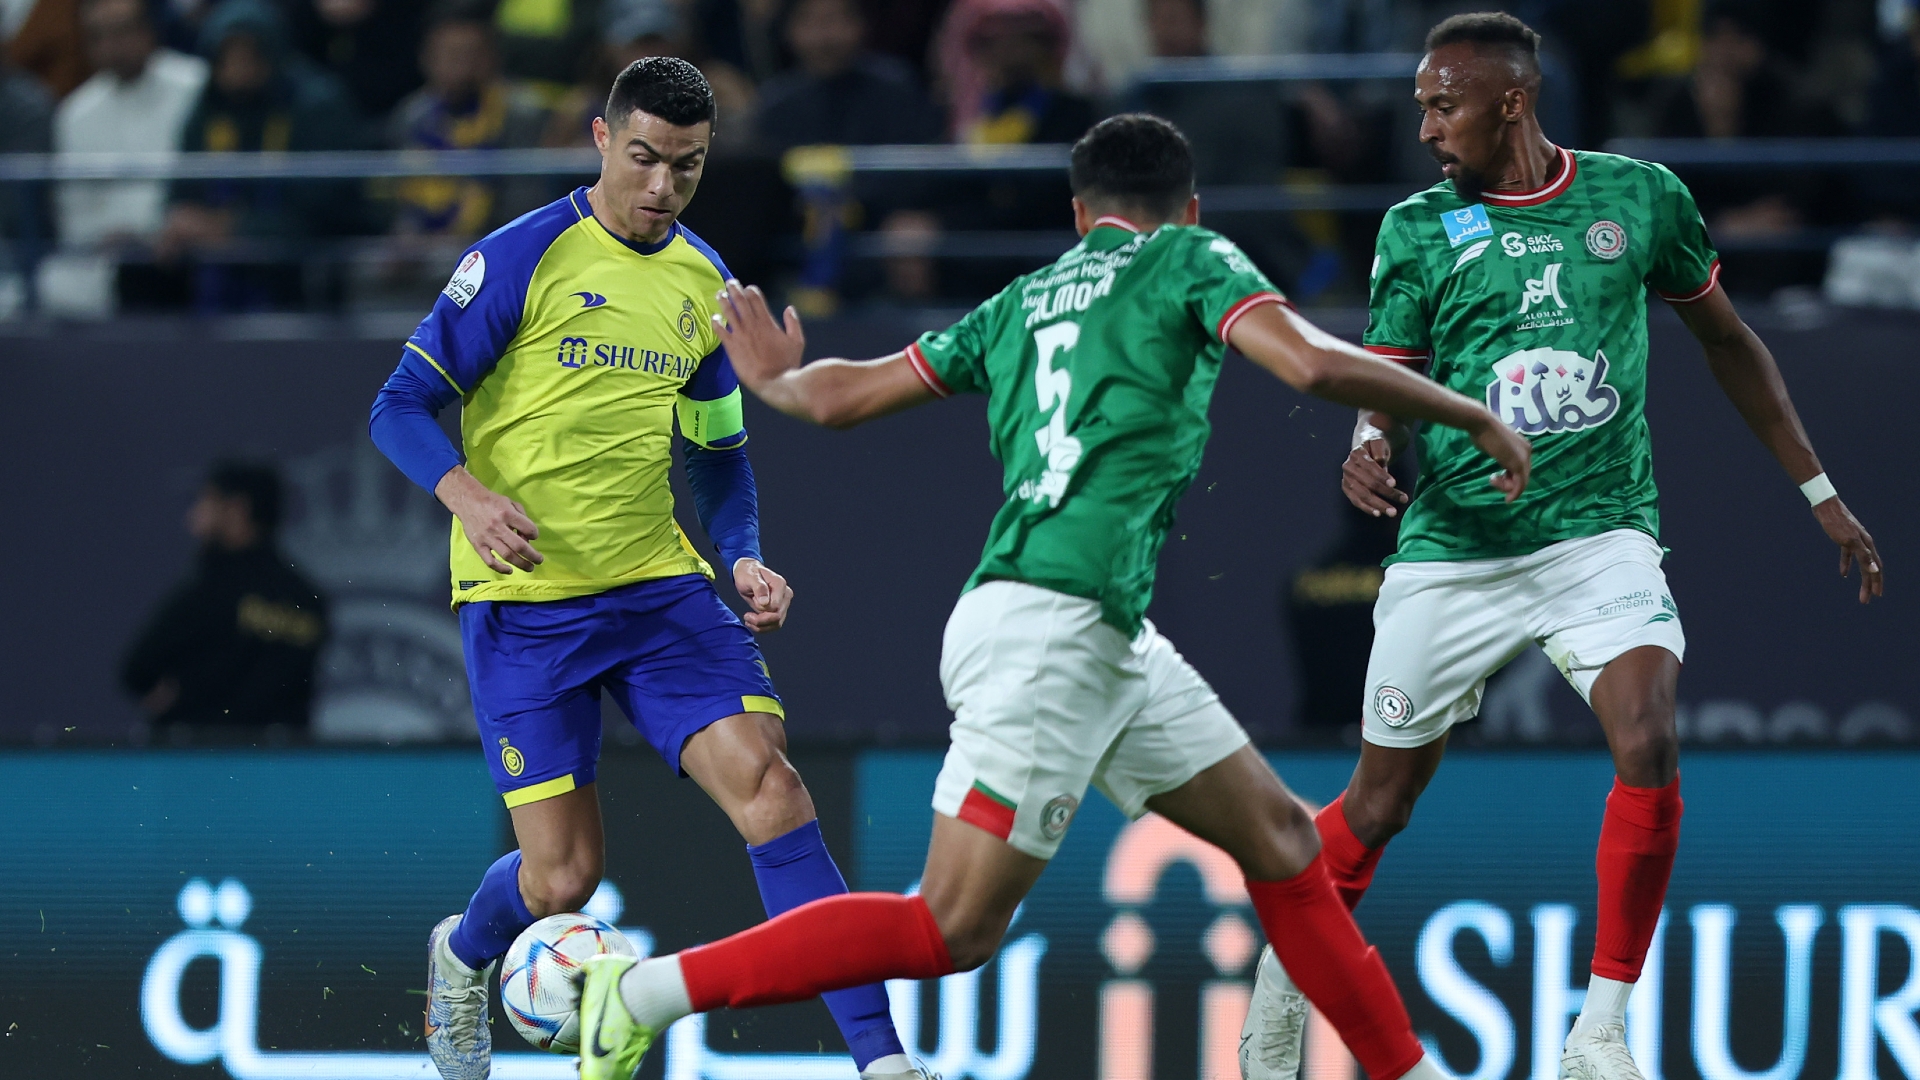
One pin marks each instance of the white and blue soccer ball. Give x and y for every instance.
(540, 978)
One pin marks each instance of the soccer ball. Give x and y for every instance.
(540, 978)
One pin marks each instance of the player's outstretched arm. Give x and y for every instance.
(767, 358)
(1744, 367)
(1313, 361)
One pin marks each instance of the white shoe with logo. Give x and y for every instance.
(1276, 1027)
(1598, 1053)
(458, 1038)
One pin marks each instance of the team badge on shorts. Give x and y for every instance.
(1392, 706)
(511, 759)
(1607, 240)
(1057, 815)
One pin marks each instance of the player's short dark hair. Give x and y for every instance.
(1136, 160)
(257, 482)
(1490, 30)
(663, 86)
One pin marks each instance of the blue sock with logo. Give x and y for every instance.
(495, 916)
(795, 869)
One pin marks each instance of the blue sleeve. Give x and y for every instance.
(725, 498)
(403, 425)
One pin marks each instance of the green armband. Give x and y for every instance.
(707, 422)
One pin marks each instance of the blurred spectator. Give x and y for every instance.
(257, 100)
(465, 105)
(841, 94)
(1001, 64)
(371, 46)
(902, 29)
(545, 42)
(1114, 39)
(51, 46)
(1177, 27)
(1740, 88)
(630, 30)
(26, 123)
(137, 102)
(235, 643)
(1893, 109)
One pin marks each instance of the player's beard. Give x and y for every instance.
(1467, 183)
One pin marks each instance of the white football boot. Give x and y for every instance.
(1276, 1027)
(458, 1038)
(1598, 1053)
(914, 1071)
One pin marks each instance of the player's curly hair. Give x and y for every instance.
(663, 86)
(1133, 160)
(1490, 29)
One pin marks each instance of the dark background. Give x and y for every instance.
(108, 433)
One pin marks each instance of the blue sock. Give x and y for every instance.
(495, 916)
(795, 869)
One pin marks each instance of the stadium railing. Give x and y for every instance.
(823, 177)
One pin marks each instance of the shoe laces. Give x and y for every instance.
(1283, 1024)
(465, 1006)
(1608, 1042)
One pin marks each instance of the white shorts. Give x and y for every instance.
(1441, 628)
(1047, 698)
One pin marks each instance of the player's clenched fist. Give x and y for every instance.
(767, 595)
(497, 527)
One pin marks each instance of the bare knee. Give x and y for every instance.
(1378, 814)
(779, 802)
(972, 934)
(1288, 840)
(1646, 748)
(550, 888)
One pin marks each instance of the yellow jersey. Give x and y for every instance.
(574, 352)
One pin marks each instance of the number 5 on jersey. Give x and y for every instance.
(1054, 385)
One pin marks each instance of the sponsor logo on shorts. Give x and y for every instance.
(511, 759)
(1392, 705)
(1668, 612)
(1607, 240)
(1057, 815)
(1620, 605)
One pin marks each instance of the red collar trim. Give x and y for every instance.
(1568, 166)
(1116, 221)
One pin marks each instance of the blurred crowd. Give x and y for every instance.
(107, 76)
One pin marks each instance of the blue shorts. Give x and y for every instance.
(672, 655)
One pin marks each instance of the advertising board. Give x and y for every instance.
(260, 916)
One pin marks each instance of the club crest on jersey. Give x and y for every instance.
(1607, 240)
(1536, 391)
(466, 280)
(688, 323)
(1466, 223)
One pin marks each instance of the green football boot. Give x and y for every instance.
(611, 1042)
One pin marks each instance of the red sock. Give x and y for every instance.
(1344, 977)
(1349, 862)
(1637, 840)
(831, 944)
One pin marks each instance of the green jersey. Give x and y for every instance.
(1536, 304)
(1098, 371)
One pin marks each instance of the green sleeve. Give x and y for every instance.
(954, 360)
(1398, 313)
(1685, 266)
(1223, 283)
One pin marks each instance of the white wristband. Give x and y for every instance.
(1818, 490)
(1364, 434)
